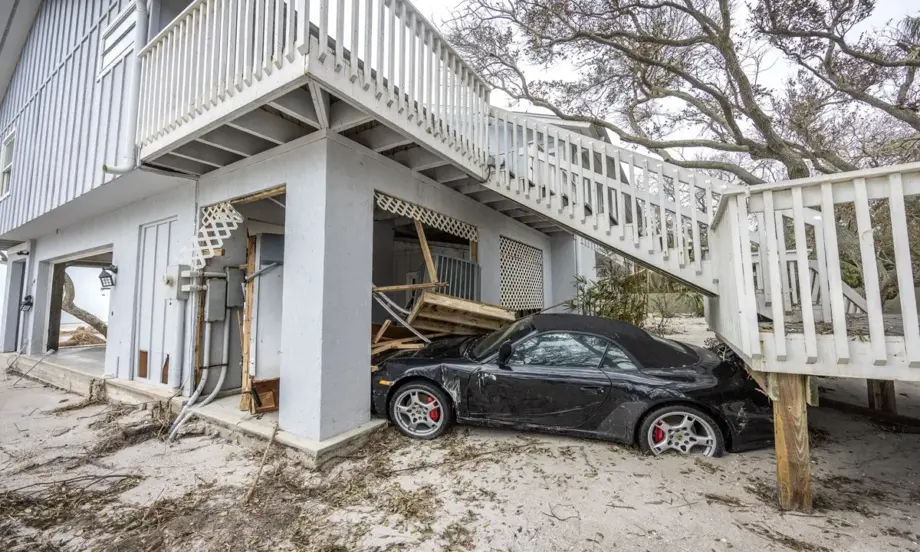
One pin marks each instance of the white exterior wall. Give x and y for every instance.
(329, 233)
(66, 120)
(398, 181)
(119, 232)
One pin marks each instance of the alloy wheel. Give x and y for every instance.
(683, 432)
(418, 412)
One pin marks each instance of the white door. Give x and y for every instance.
(151, 361)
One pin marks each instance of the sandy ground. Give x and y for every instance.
(88, 479)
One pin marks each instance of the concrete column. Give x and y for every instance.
(562, 250)
(325, 333)
(490, 265)
(384, 273)
(37, 321)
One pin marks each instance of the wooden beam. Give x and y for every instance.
(429, 262)
(343, 116)
(882, 396)
(793, 458)
(58, 277)
(263, 124)
(447, 174)
(235, 141)
(409, 287)
(181, 164)
(381, 138)
(264, 194)
(246, 386)
(298, 104)
(320, 104)
(419, 159)
(380, 332)
(209, 155)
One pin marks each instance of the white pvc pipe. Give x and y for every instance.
(225, 358)
(175, 374)
(187, 412)
(128, 161)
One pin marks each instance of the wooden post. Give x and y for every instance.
(882, 396)
(790, 426)
(57, 300)
(246, 382)
(429, 262)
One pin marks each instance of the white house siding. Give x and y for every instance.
(66, 121)
(119, 231)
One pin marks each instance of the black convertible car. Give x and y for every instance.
(576, 375)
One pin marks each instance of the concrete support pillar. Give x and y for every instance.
(325, 323)
(37, 323)
(489, 255)
(563, 253)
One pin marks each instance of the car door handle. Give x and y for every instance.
(594, 390)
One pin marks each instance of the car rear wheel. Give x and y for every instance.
(420, 410)
(683, 430)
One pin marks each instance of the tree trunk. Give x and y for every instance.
(75, 311)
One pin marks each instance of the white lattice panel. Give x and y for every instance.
(217, 224)
(521, 275)
(431, 218)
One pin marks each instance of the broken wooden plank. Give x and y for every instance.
(249, 294)
(446, 327)
(466, 305)
(409, 287)
(271, 192)
(267, 392)
(429, 262)
(381, 331)
(459, 318)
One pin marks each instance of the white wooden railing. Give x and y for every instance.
(812, 202)
(216, 49)
(641, 203)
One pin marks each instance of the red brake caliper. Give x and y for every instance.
(658, 435)
(435, 414)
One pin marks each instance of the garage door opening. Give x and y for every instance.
(79, 311)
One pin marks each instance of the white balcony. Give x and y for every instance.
(228, 79)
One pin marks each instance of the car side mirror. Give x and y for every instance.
(505, 350)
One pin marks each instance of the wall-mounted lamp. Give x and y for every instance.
(26, 304)
(107, 276)
(23, 252)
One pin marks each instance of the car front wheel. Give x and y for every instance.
(683, 430)
(420, 410)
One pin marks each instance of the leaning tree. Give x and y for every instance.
(766, 91)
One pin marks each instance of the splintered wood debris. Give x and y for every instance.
(433, 314)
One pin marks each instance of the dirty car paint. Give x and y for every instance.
(604, 402)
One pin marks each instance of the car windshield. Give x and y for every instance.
(488, 344)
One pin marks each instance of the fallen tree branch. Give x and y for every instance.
(255, 481)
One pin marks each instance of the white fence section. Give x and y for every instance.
(837, 330)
